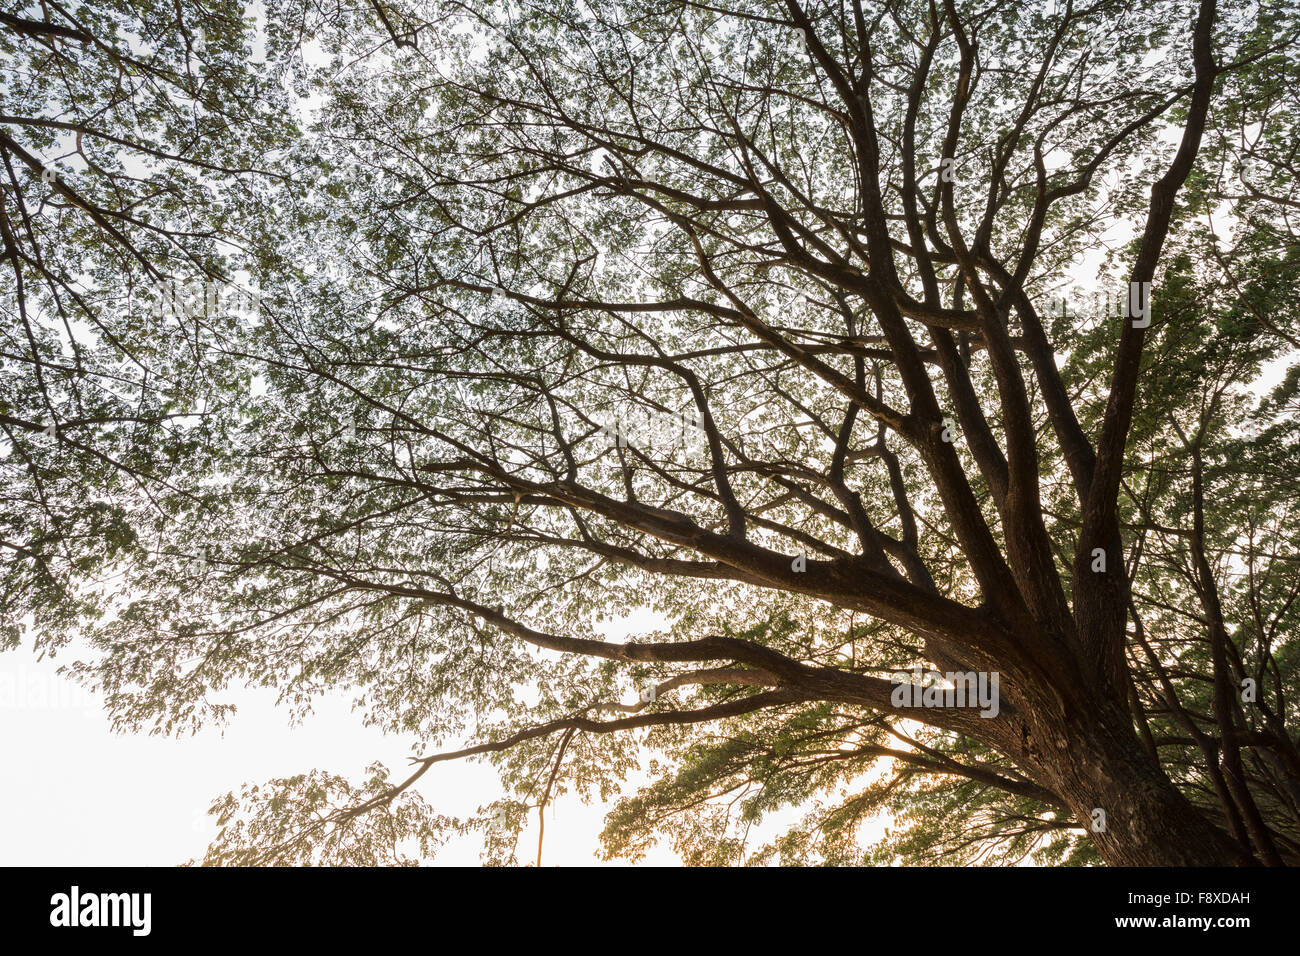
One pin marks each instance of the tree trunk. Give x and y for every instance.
(1101, 766)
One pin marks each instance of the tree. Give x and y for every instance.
(751, 314)
(129, 143)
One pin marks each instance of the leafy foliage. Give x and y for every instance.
(567, 310)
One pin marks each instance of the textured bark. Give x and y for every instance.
(1102, 765)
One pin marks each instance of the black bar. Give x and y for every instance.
(644, 904)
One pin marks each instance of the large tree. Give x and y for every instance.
(758, 315)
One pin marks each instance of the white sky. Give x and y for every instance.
(72, 793)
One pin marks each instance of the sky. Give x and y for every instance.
(73, 793)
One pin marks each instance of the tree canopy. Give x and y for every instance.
(404, 347)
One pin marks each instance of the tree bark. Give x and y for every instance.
(1101, 765)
